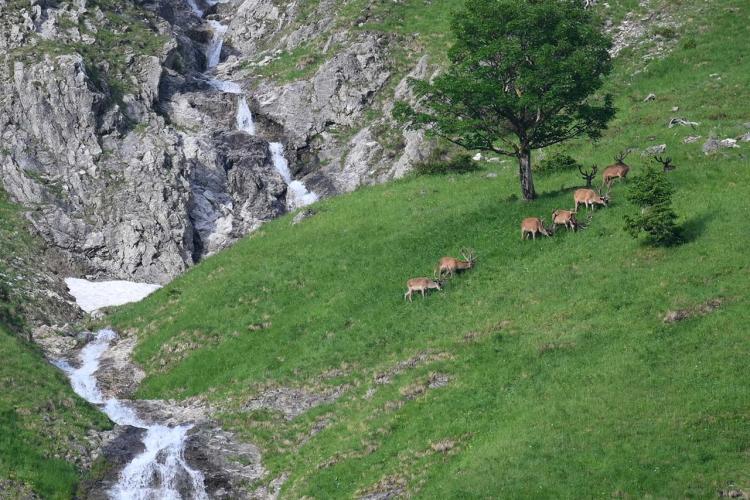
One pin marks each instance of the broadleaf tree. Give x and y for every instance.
(522, 76)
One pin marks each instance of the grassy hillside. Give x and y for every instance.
(548, 370)
(42, 422)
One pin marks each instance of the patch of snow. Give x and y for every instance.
(91, 295)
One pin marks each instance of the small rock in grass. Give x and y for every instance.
(302, 215)
(477, 157)
(681, 122)
(491, 175)
(729, 143)
(675, 109)
(654, 150)
(691, 139)
(650, 97)
(745, 138)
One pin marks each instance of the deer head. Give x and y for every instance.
(469, 255)
(665, 162)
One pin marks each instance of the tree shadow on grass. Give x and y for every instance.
(693, 228)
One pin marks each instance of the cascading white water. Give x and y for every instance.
(244, 117)
(194, 7)
(297, 194)
(154, 474)
(213, 51)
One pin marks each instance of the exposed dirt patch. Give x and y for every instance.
(419, 359)
(386, 488)
(701, 309)
(292, 402)
(554, 346)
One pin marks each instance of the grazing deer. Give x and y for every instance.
(449, 265)
(666, 163)
(618, 170)
(532, 226)
(566, 218)
(589, 197)
(420, 285)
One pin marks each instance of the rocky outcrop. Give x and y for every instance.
(129, 163)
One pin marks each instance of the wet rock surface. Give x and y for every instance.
(228, 465)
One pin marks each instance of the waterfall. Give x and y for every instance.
(194, 7)
(213, 51)
(244, 117)
(153, 474)
(297, 194)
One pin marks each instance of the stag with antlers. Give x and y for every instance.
(618, 170)
(450, 265)
(588, 175)
(665, 162)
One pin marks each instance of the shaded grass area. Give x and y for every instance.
(563, 380)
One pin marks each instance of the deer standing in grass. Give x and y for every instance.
(450, 265)
(618, 170)
(532, 226)
(590, 198)
(420, 285)
(666, 163)
(565, 218)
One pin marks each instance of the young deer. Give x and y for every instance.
(589, 197)
(565, 218)
(532, 226)
(420, 285)
(450, 265)
(616, 171)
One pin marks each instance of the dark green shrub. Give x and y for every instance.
(556, 162)
(652, 193)
(459, 164)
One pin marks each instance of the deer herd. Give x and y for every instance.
(447, 267)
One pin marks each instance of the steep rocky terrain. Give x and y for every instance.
(125, 150)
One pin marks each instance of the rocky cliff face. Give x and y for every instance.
(126, 151)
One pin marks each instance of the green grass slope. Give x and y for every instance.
(42, 422)
(547, 371)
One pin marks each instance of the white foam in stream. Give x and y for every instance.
(155, 473)
(213, 51)
(245, 117)
(297, 194)
(91, 295)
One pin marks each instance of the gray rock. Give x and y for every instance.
(650, 97)
(654, 150)
(711, 146)
(690, 139)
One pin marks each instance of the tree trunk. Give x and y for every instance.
(524, 173)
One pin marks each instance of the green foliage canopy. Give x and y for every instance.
(521, 78)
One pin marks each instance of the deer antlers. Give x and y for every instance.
(588, 175)
(666, 162)
(619, 157)
(468, 254)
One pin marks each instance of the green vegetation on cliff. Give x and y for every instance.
(42, 422)
(585, 365)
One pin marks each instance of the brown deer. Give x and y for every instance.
(450, 265)
(532, 226)
(589, 197)
(565, 218)
(618, 170)
(666, 163)
(420, 285)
